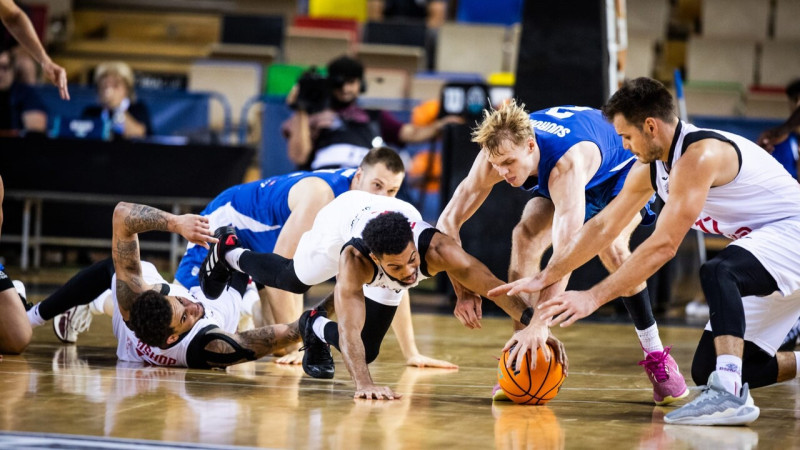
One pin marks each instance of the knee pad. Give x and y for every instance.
(224, 352)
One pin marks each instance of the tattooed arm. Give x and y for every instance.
(132, 219)
(260, 341)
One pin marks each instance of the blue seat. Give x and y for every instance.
(500, 12)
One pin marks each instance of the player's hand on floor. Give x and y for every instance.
(559, 352)
(295, 357)
(425, 361)
(377, 393)
(195, 229)
(568, 307)
(530, 338)
(468, 310)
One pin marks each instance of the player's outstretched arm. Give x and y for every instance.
(594, 236)
(690, 181)
(404, 330)
(20, 26)
(128, 221)
(354, 271)
(467, 198)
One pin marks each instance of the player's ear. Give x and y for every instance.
(172, 339)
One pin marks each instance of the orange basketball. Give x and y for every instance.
(531, 387)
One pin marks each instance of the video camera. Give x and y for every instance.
(314, 91)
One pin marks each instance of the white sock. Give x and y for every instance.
(729, 370)
(96, 307)
(319, 327)
(650, 340)
(34, 317)
(797, 364)
(232, 257)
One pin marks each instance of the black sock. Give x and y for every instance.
(272, 270)
(640, 310)
(79, 290)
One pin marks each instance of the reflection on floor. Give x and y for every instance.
(606, 402)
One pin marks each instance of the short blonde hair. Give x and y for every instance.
(119, 68)
(509, 122)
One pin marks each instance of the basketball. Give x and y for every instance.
(531, 387)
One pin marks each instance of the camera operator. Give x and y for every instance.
(335, 132)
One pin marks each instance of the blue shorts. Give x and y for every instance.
(601, 195)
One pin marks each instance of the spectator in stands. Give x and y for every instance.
(20, 27)
(21, 109)
(117, 102)
(782, 140)
(341, 133)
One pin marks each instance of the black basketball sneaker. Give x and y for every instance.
(214, 272)
(317, 359)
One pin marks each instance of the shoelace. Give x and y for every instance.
(81, 319)
(656, 363)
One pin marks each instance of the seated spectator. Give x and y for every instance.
(782, 141)
(21, 109)
(335, 132)
(117, 102)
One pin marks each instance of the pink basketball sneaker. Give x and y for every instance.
(499, 395)
(668, 383)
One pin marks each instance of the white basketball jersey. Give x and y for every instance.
(369, 206)
(761, 193)
(223, 313)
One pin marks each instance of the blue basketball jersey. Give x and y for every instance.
(559, 128)
(258, 211)
(786, 153)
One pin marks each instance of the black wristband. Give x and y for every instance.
(527, 315)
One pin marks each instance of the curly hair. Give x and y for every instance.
(387, 234)
(639, 99)
(509, 122)
(151, 318)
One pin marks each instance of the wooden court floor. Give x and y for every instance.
(79, 396)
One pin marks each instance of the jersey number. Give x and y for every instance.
(562, 112)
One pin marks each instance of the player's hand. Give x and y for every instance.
(559, 352)
(376, 392)
(568, 307)
(425, 361)
(530, 338)
(58, 76)
(291, 358)
(195, 229)
(468, 310)
(523, 285)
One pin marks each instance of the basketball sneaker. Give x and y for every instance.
(22, 294)
(499, 395)
(74, 321)
(668, 383)
(716, 406)
(317, 359)
(214, 272)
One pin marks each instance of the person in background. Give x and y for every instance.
(117, 102)
(781, 141)
(340, 133)
(21, 109)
